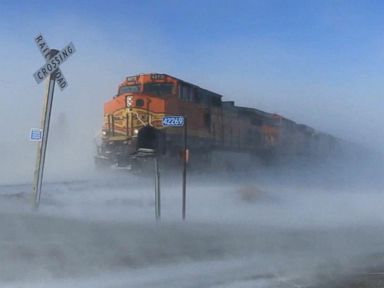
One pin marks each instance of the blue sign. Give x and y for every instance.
(173, 121)
(36, 134)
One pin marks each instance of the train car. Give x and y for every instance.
(133, 125)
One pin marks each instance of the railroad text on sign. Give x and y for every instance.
(54, 63)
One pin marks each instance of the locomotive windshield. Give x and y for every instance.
(129, 89)
(160, 89)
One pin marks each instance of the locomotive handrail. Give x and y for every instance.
(138, 118)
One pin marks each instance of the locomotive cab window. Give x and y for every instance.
(160, 89)
(187, 93)
(129, 89)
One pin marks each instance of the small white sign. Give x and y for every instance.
(36, 134)
(53, 64)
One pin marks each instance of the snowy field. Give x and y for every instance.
(100, 231)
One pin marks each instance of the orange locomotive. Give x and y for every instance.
(133, 123)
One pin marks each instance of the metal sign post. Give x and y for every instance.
(42, 147)
(185, 168)
(157, 191)
(180, 121)
(51, 69)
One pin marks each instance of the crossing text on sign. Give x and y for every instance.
(46, 52)
(54, 63)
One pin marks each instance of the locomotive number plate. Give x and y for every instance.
(173, 121)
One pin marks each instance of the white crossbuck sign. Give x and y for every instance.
(53, 63)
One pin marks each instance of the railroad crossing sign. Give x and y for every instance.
(173, 121)
(53, 61)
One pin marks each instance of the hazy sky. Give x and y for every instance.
(317, 62)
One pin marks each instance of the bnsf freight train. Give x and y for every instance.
(219, 133)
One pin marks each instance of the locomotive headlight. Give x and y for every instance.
(129, 101)
(136, 131)
(104, 133)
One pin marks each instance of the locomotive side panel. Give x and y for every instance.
(213, 125)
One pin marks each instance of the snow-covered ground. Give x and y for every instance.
(100, 231)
